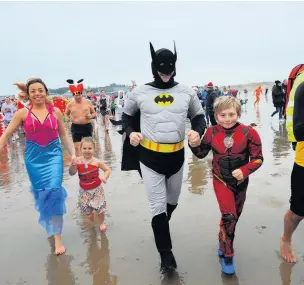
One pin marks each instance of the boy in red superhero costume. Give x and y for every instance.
(237, 153)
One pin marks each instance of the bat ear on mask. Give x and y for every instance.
(153, 54)
(175, 54)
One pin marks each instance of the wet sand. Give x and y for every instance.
(126, 254)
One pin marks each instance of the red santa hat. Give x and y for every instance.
(210, 85)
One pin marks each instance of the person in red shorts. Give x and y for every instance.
(237, 153)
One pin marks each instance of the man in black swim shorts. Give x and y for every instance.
(82, 112)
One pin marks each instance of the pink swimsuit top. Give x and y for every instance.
(41, 133)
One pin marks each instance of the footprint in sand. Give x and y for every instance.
(276, 175)
(261, 229)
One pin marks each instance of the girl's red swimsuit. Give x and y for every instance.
(88, 176)
(236, 148)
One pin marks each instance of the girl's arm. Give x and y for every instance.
(73, 169)
(63, 137)
(255, 153)
(106, 169)
(12, 127)
(205, 146)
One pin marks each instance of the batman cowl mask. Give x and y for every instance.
(163, 61)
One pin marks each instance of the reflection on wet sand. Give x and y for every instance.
(58, 268)
(258, 115)
(4, 168)
(107, 142)
(12, 155)
(98, 150)
(109, 156)
(98, 256)
(230, 280)
(198, 175)
(285, 272)
(280, 146)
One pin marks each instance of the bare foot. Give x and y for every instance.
(59, 247)
(286, 250)
(103, 228)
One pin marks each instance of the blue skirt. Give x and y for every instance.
(45, 169)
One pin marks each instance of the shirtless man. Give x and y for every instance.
(82, 112)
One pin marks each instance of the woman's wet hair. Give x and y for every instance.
(35, 80)
(87, 140)
(226, 102)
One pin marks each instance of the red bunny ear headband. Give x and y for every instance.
(76, 90)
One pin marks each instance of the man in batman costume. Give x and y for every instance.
(154, 120)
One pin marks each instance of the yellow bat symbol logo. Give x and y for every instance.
(164, 99)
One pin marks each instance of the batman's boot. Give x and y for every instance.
(160, 226)
(170, 210)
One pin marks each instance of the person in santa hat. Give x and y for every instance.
(195, 88)
(210, 99)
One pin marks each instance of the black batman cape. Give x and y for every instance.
(130, 154)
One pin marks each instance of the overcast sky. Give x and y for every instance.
(103, 42)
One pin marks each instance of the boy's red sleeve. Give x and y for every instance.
(255, 153)
(205, 146)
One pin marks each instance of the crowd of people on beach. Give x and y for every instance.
(153, 120)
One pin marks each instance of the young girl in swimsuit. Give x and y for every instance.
(91, 194)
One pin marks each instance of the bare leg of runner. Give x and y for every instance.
(103, 226)
(291, 222)
(107, 122)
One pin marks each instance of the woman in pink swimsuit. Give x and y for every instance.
(43, 157)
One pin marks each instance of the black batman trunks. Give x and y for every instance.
(297, 190)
